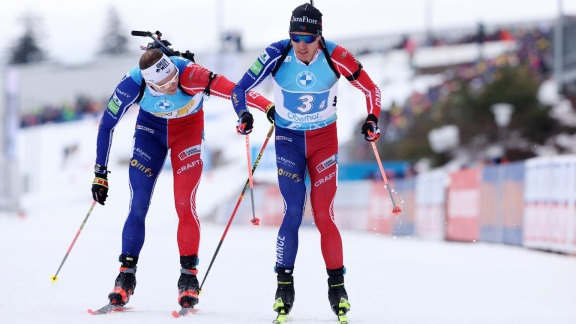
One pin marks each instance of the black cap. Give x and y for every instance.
(306, 19)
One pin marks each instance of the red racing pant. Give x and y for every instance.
(153, 138)
(314, 153)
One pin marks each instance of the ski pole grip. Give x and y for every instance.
(141, 33)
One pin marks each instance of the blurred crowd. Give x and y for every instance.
(81, 107)
(533, 49)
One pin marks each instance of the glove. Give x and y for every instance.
(100, 187)
(370, 128)
(245, 123)
(270, 114)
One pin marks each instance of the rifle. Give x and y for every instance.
(162, 44)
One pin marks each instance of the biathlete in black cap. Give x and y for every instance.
(305, 70)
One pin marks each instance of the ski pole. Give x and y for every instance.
(255, 221)
(270, 131)
(55, 277)
(396, 209)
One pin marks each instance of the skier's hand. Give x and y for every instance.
(370, 129)
(100, 188)
(245, 123)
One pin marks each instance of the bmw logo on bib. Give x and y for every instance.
(164, 104)
(305, 79)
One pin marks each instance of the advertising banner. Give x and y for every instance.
(464, 205)
(430, 200)
(550, 203)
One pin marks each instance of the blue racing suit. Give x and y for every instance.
(165, 123)
(306, 137)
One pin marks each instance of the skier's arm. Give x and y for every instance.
(258, 71)
(125, 94)
(220, 86)
(352, 70)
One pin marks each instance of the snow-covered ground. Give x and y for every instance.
(389, 280)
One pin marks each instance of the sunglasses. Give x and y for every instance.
(308, 39)
(166, 85)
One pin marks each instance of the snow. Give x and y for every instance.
(389, 279)
(402, 280)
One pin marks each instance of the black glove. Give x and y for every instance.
(100, 187)
(270, 114)
(245, 123)
(370, 128)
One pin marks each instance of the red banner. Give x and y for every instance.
(463, 205)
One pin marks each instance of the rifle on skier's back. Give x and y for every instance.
(162, 44)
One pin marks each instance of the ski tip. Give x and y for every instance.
(101, 311)
(184, 311)
(108, 309)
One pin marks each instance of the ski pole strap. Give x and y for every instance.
(100, 181)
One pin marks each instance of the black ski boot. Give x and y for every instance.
(337, 293)
(285, 291)
(188, 286)
(125, 282)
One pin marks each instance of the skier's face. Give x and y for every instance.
(305, 45)
(168, 85)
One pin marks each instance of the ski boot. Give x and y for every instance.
(337, 295)
(125, 282)
(188, 286)
(284, 294)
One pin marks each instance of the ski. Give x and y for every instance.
(342, 318)
(282, 317)
(184, 311)
(108, 309)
